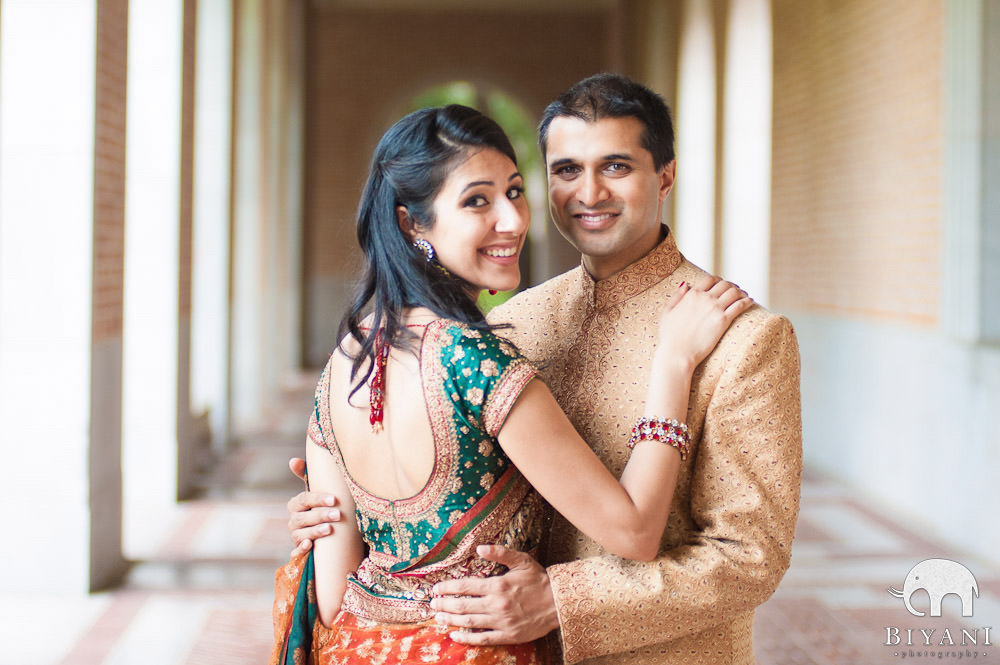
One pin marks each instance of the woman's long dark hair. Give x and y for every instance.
(408, 169)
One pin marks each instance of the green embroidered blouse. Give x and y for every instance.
(474, 495)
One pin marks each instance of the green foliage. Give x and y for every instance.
(519, 128)
(456, 92)
(508, 113)
(487, 302)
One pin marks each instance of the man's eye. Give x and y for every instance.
(515, 192)
(618, 167)
(566, 171)
(477, 201)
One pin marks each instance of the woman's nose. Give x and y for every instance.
(513, 218)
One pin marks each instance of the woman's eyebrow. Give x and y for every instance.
(476, 183)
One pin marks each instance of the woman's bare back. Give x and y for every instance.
(397, 462)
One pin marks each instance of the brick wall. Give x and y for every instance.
(109, 169)
(857, 160)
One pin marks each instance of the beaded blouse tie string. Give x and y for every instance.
(376, 393)
(376, 390)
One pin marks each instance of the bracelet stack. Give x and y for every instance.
(670, 432)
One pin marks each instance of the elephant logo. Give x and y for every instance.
(939, 577)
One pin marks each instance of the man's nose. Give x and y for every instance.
(591, 190)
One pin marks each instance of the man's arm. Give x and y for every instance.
(744, 503)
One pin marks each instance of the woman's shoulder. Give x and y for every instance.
(479, 341)
(485, 372)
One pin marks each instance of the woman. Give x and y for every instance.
(433, 428)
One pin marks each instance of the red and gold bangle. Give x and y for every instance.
(667, 431)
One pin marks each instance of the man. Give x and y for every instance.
(608, 149)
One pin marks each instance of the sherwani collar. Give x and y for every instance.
(633, 279)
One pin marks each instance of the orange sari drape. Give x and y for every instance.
(300, 639)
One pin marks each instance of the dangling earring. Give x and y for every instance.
(425, 248)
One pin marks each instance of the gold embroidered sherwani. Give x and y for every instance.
(729, 536)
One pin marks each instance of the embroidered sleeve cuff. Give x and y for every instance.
(505, 393)
(576, 643)
(315, 433)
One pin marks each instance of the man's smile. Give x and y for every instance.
(597, 219)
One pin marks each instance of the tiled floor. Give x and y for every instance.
(204, 597)
(833, 606)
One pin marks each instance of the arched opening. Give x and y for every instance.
(336, 167)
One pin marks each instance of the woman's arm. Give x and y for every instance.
(626, 516)
(340, 553)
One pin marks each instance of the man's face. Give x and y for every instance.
(604, 193)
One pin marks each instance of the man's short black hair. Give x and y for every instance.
(615, 96)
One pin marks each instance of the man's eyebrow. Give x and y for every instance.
(561, 162)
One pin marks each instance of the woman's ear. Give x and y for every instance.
(405, 223)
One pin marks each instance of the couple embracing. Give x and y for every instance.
(606, 470)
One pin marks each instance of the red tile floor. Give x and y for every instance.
(204, 597)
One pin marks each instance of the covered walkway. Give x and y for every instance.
(203, 596)
(178, 181)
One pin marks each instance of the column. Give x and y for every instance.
(266, 204)
(211, 216)
(248, 218)
(694, 191)
(51, 352)
(152, 274)
(746, 172)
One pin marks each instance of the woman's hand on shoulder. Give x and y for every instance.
(695, 319)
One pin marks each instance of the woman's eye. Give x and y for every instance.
(515, 192)
(477, 201)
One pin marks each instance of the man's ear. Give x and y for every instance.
(667, 175)
(405, 223)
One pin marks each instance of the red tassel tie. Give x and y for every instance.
(376, 396)
(376, 393)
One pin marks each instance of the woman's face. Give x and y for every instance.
(481, 220)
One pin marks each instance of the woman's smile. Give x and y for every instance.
(504, 254)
